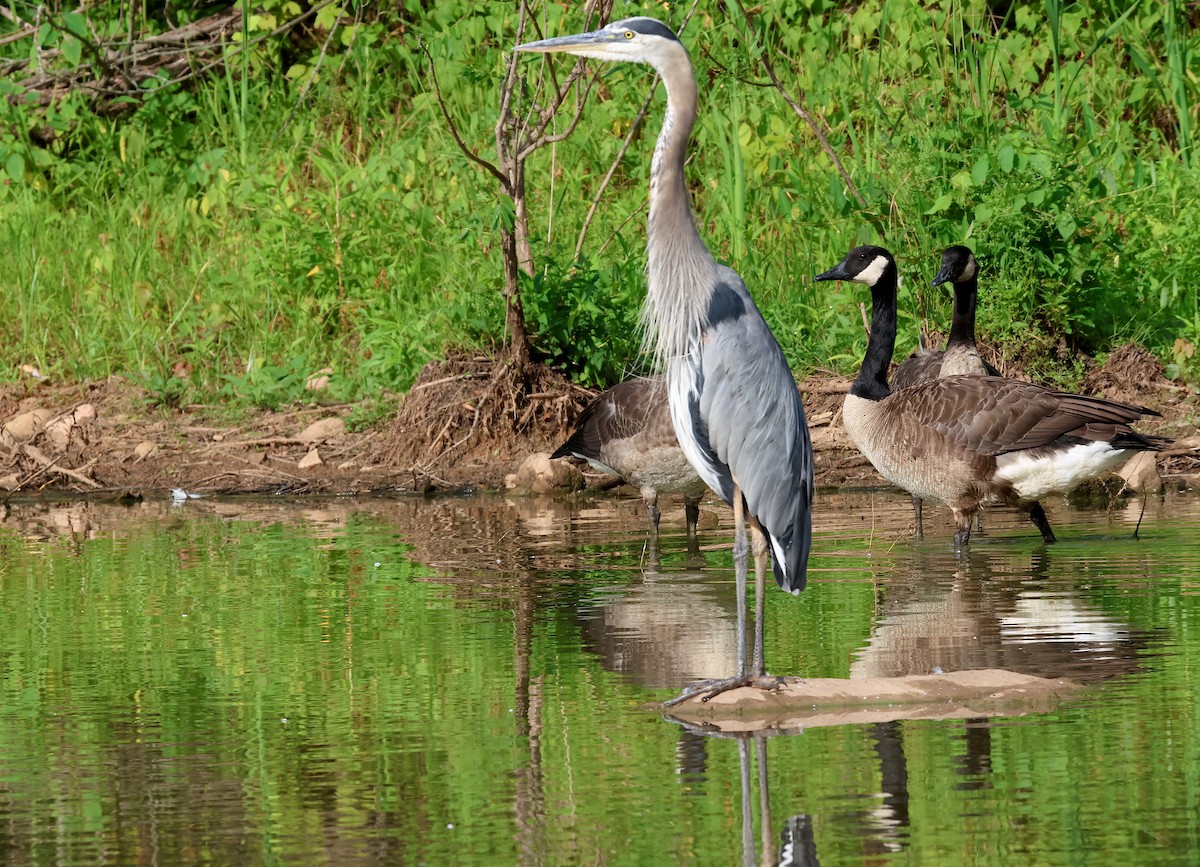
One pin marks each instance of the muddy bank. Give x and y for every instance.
(465, 423)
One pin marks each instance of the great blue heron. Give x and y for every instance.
(735, 407)
(961, 355)
(627, 432)
(965, 440)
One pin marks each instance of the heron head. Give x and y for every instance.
(640, 40)
(862, 265)
(958, 266)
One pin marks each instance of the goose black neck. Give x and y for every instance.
(962, 325)
(872, 381)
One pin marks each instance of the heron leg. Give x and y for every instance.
(760, 547)
(920, 533)
(764, 801)
(741, 551)
(706, 689)
(748, 853)
(1038, 515)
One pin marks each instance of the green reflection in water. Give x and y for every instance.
(267, 688)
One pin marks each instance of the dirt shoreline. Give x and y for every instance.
(462, 425)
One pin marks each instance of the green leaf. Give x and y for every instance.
(76, 23)
(266, 22)
(1042, 164)
(1006, 157)
(14, 166)
(982, 213)
(1066, 226)
(72, 50)
(328, 17)
(979, 171)
(943, 203)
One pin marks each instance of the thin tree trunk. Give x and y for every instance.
(514, 310)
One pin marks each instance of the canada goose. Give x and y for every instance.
(961, 355)
(965, 440)
(627, 432)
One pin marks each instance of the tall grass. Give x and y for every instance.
(217, 246)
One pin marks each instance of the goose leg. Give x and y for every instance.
(962, 524)
(691, 508)
(920, 534)
(650, 498)
(1038, 515)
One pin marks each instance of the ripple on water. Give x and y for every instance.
(463, 680)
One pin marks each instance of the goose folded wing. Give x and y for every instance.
(991, 416)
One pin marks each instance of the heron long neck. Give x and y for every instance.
(962, 325)
(872, 377)
(680, 269)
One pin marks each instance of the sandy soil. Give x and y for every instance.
(465, 423)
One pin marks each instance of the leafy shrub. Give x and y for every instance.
(585, 318)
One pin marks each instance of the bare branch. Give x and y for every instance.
(510, 77)
(540, 139)
(458, 139)
(124, 67)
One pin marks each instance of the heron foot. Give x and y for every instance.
(710, 688)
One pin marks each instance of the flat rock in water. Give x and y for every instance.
(813, 702)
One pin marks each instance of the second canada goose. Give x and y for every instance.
(627, 432)
(965, 440)
(961, 355)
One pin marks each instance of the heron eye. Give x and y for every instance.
(628, 34)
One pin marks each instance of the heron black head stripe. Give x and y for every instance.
(649, 27)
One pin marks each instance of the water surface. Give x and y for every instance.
(464, 680)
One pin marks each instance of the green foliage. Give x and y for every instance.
(584, 319)
(308, 207)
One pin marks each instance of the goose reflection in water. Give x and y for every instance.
(666, 629)
(938, 611)
(987, 614)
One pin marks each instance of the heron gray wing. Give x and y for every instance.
(753, 417)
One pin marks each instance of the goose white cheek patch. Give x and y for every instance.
(871, 274)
